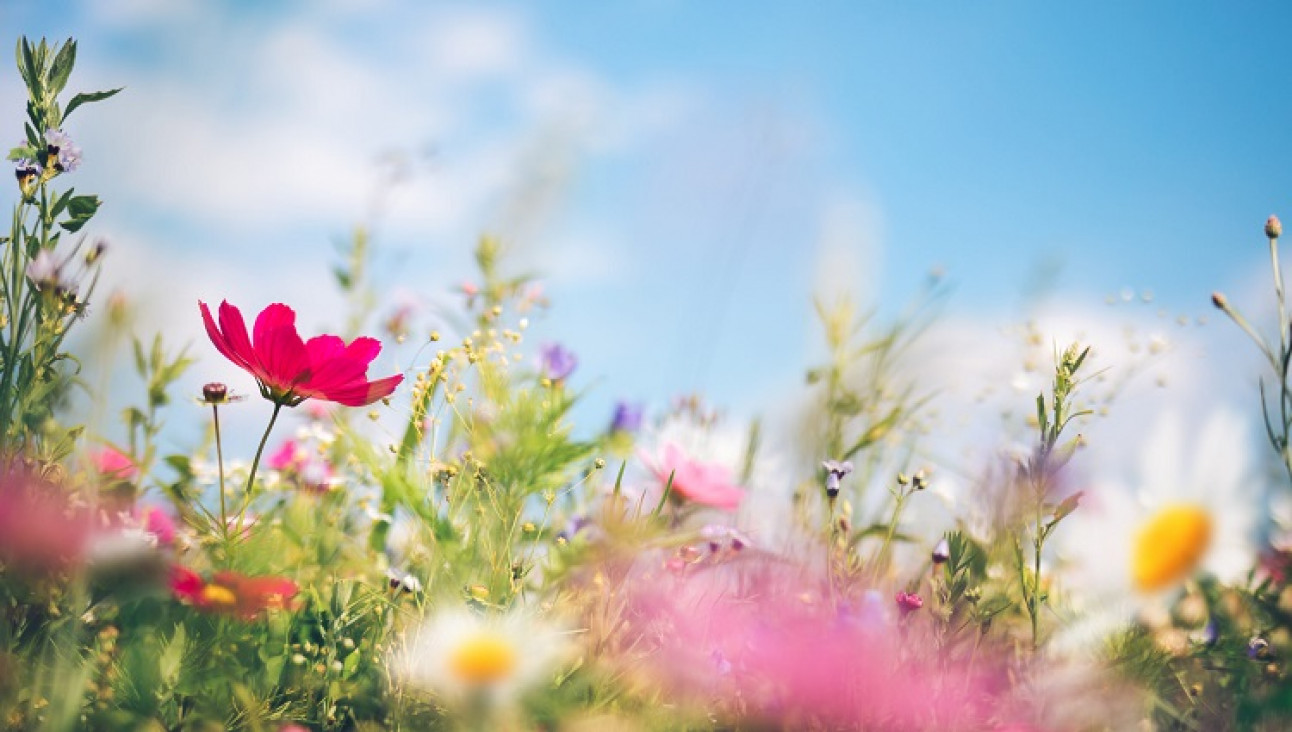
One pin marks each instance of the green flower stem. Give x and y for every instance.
(255, 465)
(219, 460)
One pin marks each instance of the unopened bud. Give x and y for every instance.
(215, 392)
(1273, 227)
(941, 552)
(1219, 300)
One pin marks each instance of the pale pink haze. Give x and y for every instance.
(291, 370)
(706, 484)
(752, 643)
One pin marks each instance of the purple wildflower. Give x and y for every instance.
(835, 471)
(24, 169)
(628, 417)
(45, 271)
(61, 147)
(557, 362)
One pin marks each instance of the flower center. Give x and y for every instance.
(483, 659)
(1169, 547)
(218, 596)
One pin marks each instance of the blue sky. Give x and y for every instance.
(687, 175)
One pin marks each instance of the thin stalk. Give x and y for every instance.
(1278, 290)
(1034, 606)
(255, 465)
(219, 460)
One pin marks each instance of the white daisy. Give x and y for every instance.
(1194, 511)
(462, 655)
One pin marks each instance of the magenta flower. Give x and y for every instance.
(908, 602)
(290, 370)
(707, 484)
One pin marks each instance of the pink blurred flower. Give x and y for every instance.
(290, 370)
(159, 524)
(302, 467)
(41, 530)
(766, 644)
(113, 464)
(707, 484)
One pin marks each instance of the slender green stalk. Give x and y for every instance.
(219, 460)
(255, 465)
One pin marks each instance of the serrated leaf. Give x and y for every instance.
(80, 99)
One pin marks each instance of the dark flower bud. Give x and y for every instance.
(215, 393)
(1219, 300)
(1273, 227)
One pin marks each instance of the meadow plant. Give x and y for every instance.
(440, 546)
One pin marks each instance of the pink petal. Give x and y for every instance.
(235, 335)
(282, 356)
(363, 393)
(339, 370)
(221, 343)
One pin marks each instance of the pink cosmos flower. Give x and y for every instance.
(290, 370)
(707, 484)
(112, 464)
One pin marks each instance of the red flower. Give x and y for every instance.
(290, 370)
(232, 593)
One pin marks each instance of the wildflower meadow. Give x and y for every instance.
(437, 537)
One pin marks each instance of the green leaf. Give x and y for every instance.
(80, 99)
(80, 209)
(27, 67)
(172, 657)
(26, 151)
(62, 68)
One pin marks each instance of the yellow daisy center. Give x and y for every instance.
(1169, 546)
(485, 658)
(219, 596)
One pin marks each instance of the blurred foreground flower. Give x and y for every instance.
(466, 657)
(1194, 513)
(763, 645)
(41, 530)
(707, 484)
(232, 593)
(290, 370)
